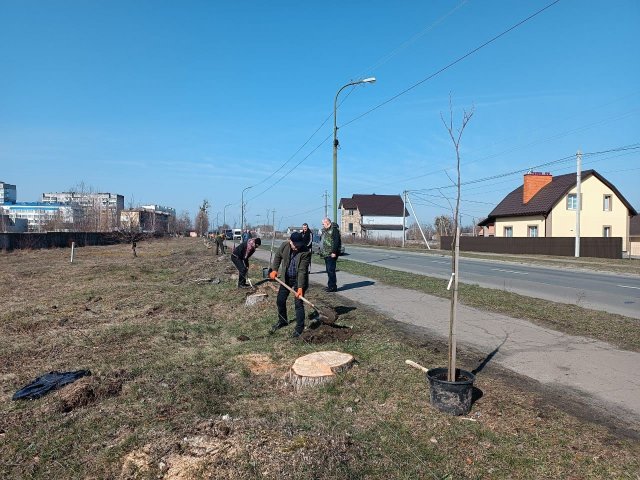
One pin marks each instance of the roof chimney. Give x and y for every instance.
(533, 183)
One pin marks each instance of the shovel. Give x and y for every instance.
(416, 365)
(325, 316)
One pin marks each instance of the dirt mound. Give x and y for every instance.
(327, 334)
(89, 390)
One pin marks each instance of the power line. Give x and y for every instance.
(625, 148)
(447, 67)
(396, 96)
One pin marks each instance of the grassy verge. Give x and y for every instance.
(621, 331)
(188, 384)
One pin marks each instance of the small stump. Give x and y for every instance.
(318, 368)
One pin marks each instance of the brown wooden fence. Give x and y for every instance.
(15, 241)
(561, 246)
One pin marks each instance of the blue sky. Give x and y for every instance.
(173, 102)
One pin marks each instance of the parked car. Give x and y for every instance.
(233, 234)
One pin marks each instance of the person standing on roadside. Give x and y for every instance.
(330, 246)
(291, 263)
(240, 258)
(307, 236)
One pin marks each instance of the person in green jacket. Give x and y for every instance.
(331, 244)
(291, 263)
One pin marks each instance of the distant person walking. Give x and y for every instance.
(246, 235)
(291, 263)
(240, 258)
(330, 246)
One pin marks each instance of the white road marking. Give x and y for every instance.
(509, 271)
(442, 263)
(627, 286)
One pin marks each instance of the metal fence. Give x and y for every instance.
(561, 246)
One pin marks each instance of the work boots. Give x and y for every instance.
(278, 326)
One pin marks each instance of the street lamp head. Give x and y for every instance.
(369, 80)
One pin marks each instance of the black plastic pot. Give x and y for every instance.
(265, 272)
(451, 397)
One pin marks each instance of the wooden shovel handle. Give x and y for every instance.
(294, 292)
(416, 365)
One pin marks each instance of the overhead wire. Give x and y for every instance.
(451, 64)
(448, 66)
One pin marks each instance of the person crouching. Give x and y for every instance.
(291, 263)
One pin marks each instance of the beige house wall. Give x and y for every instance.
(347, 218)
(634, 246)
(593, 217)
(520, 225)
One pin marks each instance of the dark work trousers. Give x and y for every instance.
(281, 302)
(330, 263)
(243, 268)
(219, 248)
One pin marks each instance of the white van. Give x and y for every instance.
(237, 234)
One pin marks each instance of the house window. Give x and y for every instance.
(350, 211)
(508, 231)
(351, 227)
(572, 201)
(606, 203)
(606, 231)
(532, 231)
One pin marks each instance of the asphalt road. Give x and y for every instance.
(613, 293)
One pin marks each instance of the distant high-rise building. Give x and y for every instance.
(100, 211)
(8, 193)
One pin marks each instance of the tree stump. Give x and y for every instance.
(318, 368)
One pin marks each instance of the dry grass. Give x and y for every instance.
(188, 384)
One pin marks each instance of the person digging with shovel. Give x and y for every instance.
(291, 262)
(240, 258)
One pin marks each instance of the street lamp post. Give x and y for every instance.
(224, 213)
(242, 208)
(335, 143)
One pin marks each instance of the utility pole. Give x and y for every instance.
(578, 200)
(326, 206)
(273, 238)
(404, 209)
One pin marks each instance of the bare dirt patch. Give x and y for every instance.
(327, 334)
(258, 364)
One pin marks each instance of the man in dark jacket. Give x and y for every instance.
(240, 258)
(330, 246)
(291, 263)
(307, 236)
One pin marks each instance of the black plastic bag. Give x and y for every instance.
(47, 383)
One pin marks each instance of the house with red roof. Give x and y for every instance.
(545, 206)
(373, 216)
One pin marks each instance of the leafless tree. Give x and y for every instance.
(55, 223)
(456, 135)
(183, 222)
(130, 232)
(202, 219)
(443, 225)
